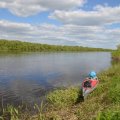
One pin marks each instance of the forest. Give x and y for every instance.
(14, 45)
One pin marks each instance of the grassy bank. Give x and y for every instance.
(116, 55)
(66, 104)
(102, 104)
(18, 46)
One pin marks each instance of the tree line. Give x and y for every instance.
(7, 45)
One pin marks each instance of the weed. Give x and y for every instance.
(63, 98)
(40, 110)
(10, 113)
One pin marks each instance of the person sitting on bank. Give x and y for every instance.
(92, 75)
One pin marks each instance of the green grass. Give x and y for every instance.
(112, 113)
(10, 113)
(64, 98)
(116, 54)
(114, 91)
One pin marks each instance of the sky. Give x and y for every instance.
(89, 23)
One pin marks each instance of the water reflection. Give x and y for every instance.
(26, 77)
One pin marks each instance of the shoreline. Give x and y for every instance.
(65, 104)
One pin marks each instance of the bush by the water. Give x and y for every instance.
(63, 98)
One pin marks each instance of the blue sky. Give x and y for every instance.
(92, 23)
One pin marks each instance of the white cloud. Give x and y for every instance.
(26, 8)
(101, 15)
(92, 36)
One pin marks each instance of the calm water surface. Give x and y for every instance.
(27, 77)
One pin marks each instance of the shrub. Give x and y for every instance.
(63, 98)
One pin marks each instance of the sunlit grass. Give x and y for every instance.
(112, 113)
(10, 113)
(63, 98)
(116, 55)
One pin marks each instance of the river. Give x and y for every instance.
(29, 76)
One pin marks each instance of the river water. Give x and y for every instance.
(29, 76)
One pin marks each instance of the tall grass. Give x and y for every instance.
(10, 113)
(116, 54)
(112, 113)
(40, 110)
(64, 98)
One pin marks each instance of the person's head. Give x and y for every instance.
(92, 74)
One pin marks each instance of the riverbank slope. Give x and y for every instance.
(103, 103)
